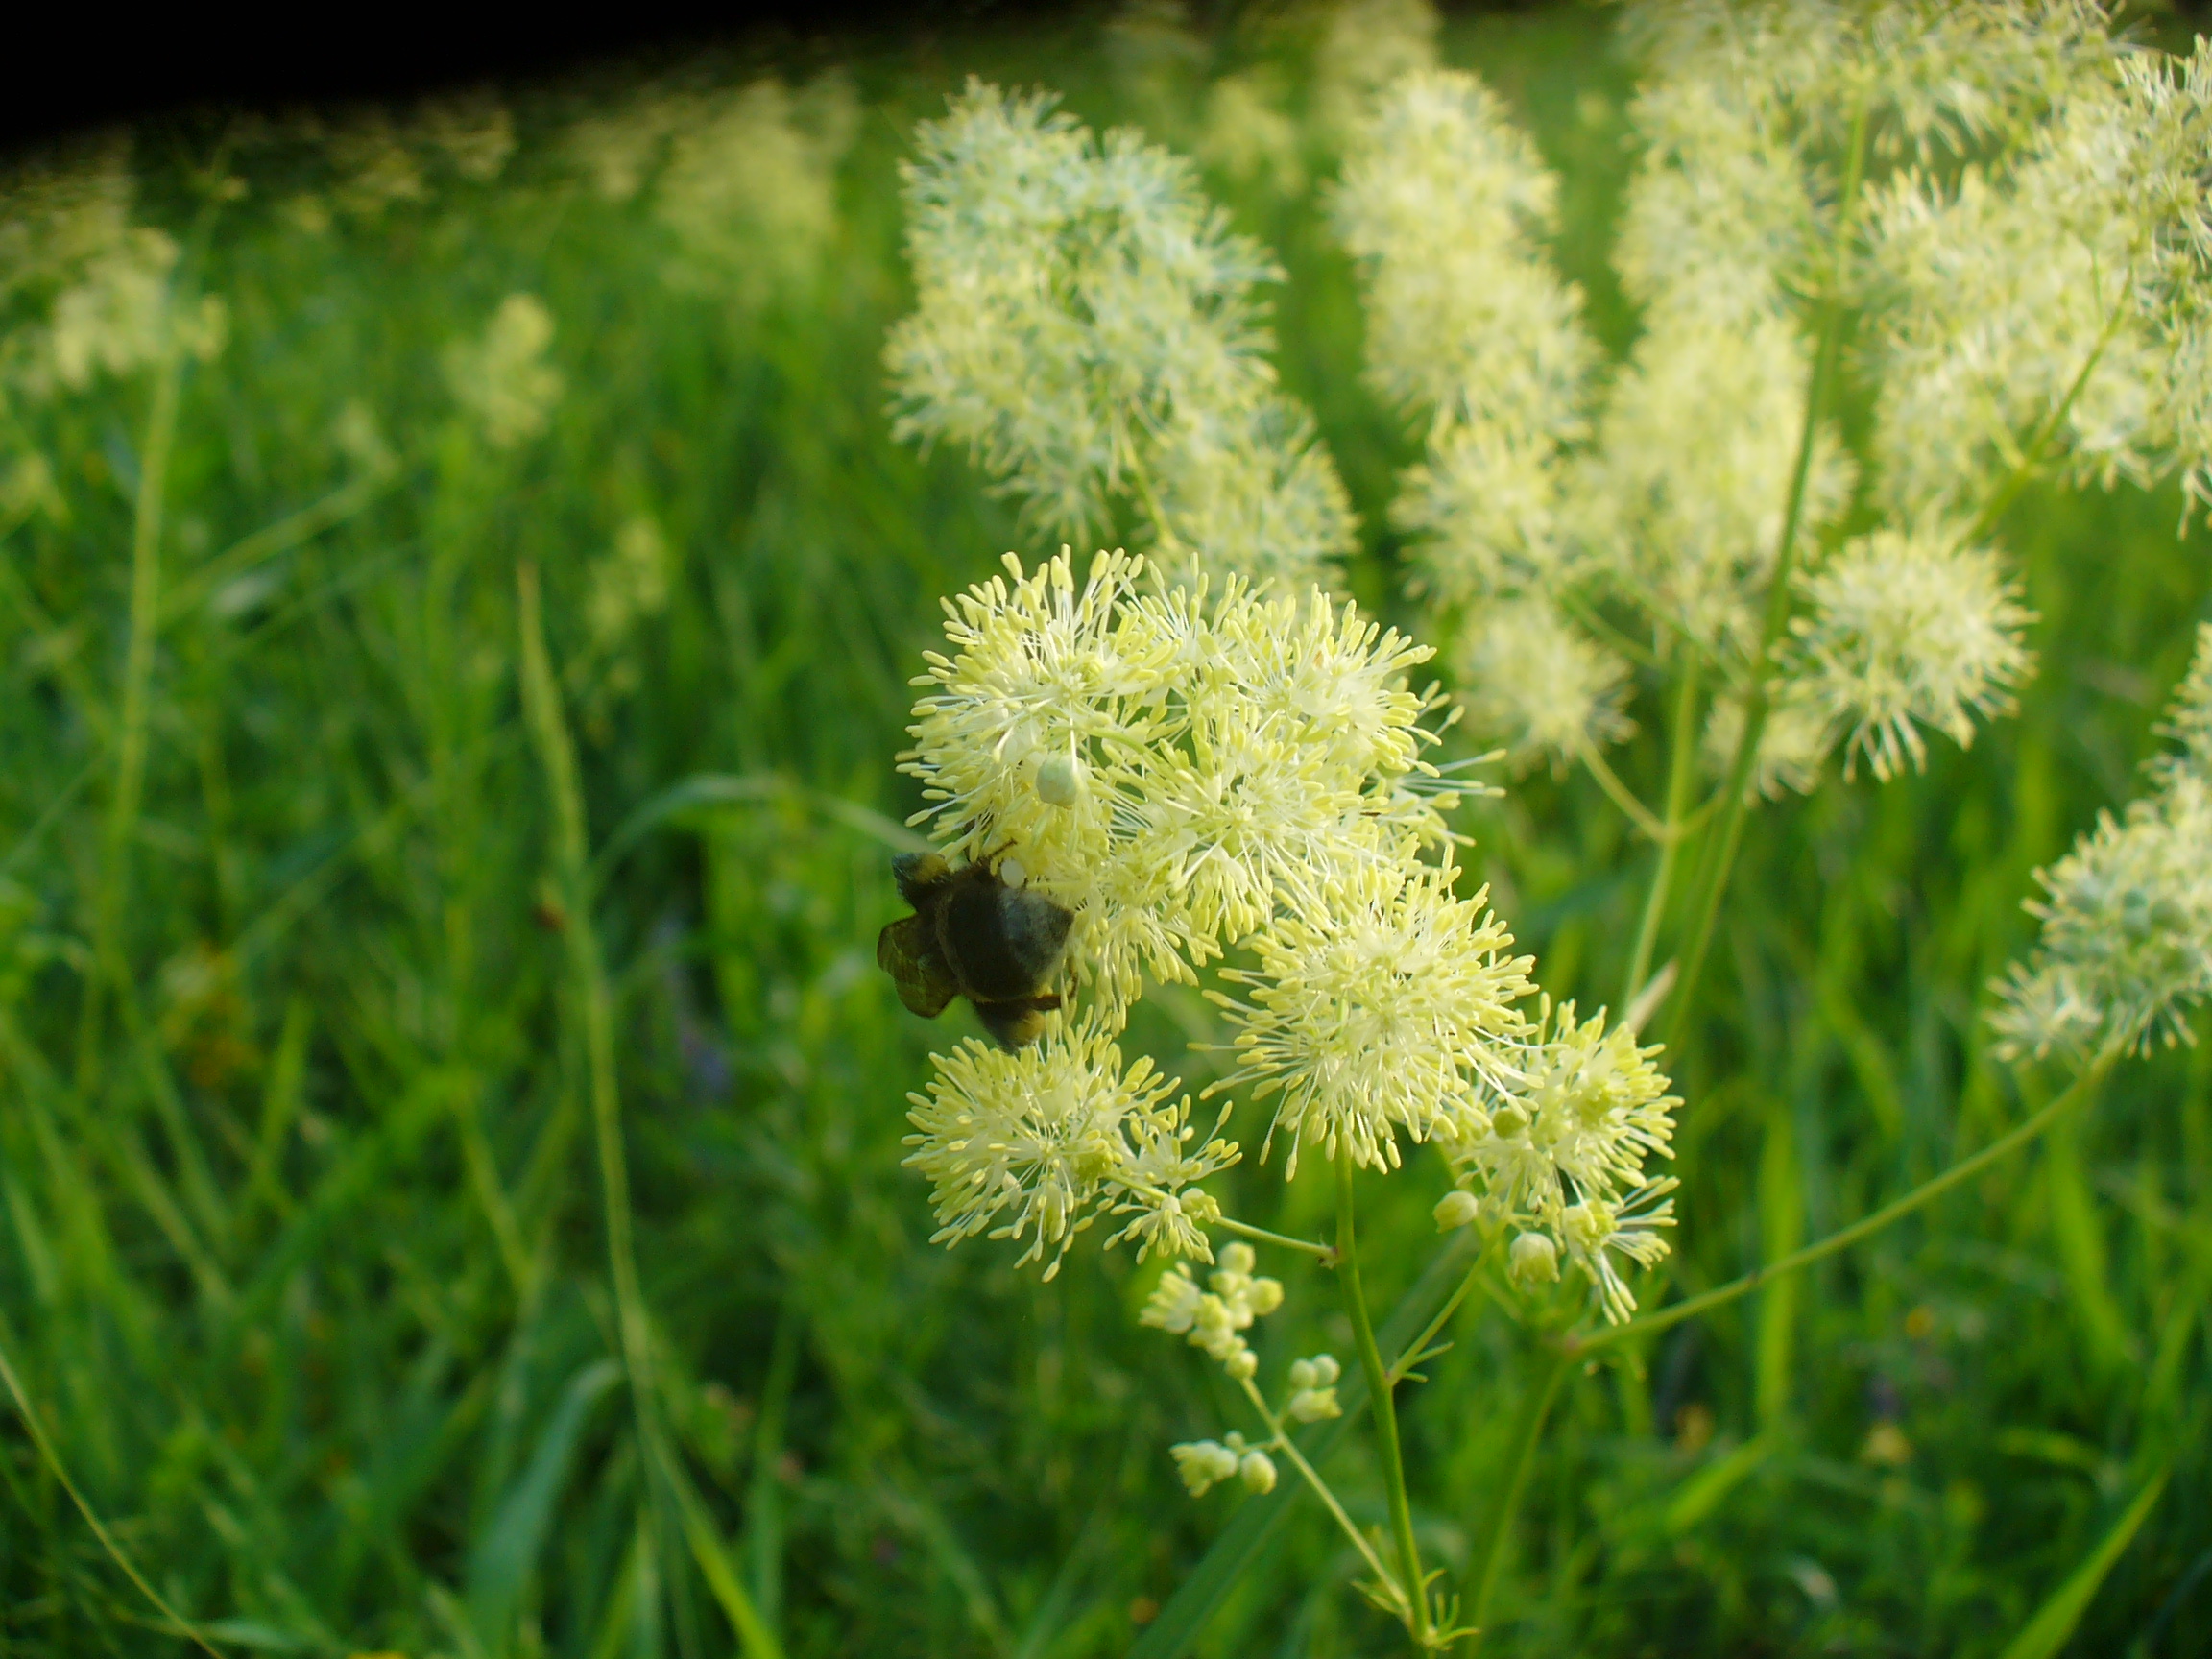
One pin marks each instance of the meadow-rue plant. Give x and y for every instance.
(1232, 779)
(1228, 784)
(1086, 327)
(2126, 947)
(454, 1198)
(501, 377)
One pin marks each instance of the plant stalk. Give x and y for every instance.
(1721, 854)
(1378, 1397)
(2032, 457)
(1680, 773)
(1279, 1439)
(145, 625)
(2081, 1089)
(1327, 1252)
(1482, 1561)
(671, 1513)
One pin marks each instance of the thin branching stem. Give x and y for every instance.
(1260, 1235)
(1378, 1390)
(1681, 743)
(2073, 1094)
(1646, 822)
(1280, 1438)
(1721, 854)
(1415, 1350)
(2031, 455)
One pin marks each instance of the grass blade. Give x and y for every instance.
(2043, 1635)
(509, 1547)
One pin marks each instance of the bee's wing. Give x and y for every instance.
(905, 952)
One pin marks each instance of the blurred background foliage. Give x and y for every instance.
(302, 1267)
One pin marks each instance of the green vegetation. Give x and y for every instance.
(450, 1116)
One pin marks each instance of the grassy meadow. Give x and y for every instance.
(447, 735)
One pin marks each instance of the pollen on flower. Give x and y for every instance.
(1381, 1003)
(1042, 1142)
(1589, 1111)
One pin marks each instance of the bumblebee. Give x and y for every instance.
(973, 937)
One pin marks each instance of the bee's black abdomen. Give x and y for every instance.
(1003, 943)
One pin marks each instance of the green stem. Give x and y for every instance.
(1417, 1350)
(145, 623)
(1378, 1397)
(1281, 1440)
(1720, 856)
(557, 752)
(1483, 1560)
(1260, 1235)
(1680, 774)
(1926, 1193)
(1622, 796)
(1164, 537)
(2032, 457)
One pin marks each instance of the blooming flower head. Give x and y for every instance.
(1381, 1003)
(2126, 945)
(748, 191)
(501, 377)
(1086, 327)
(1595, 1231)
(1540, 686)
(1793, 745)
(1040, 1142)
(1445, 202)
(1905, 631)
(1188, 774)
(1568, 1150)
(1164, 764)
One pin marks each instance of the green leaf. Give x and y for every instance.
(509, 1547)
(1702, 1494)
(2043, 1635)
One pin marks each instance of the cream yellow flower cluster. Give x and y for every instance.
(85, 291)
(2126, 948)
(1192, 774)
(2047, 302)
(1217, 1318)
(1165, 765)
(1040, 1144)
(501, 377)
(1562, 1160)
(2059, 288)
(1086, 327)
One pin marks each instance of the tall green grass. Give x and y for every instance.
(321, 990)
